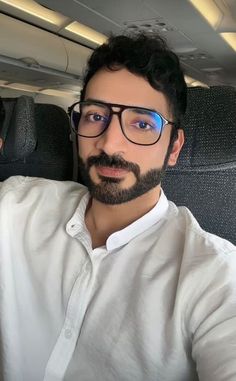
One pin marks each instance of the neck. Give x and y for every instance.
(102, 220)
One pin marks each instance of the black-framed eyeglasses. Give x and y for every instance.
(139, 125)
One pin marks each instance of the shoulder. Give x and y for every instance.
(196, 240)
(19, 189)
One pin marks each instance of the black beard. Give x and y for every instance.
(108, 190)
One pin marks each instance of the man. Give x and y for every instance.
(116, 283)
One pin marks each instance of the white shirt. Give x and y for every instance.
(156, 303)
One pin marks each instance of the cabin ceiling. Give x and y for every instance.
(204, 54)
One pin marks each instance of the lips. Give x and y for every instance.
(111, 171)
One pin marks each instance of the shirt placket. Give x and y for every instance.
(69, 335)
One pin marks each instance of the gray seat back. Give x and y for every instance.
(204, 179)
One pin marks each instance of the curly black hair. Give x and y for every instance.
(146, 55)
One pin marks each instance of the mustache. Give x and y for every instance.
(114, 161)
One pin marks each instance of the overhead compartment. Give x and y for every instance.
(77, 57)
(25, 42)
(37, 47)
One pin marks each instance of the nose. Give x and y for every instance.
(112, 141)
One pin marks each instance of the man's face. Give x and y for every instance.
(115, 169)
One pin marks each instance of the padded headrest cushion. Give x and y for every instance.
(210, 124)
(17, 128)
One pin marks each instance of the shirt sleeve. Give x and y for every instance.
(212, 321)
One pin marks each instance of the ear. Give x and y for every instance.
(1, 143)
(178, 144)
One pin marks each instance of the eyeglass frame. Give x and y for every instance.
(119, 114)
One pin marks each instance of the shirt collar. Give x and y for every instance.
(76, 225)
(125, 235)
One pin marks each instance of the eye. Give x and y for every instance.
(95, 117)
(142, 125)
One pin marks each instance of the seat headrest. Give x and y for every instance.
(17, 128)
(210, 125)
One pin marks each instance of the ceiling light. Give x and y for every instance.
(36, 10)
(58, 93)
(86, 32)
(188, 79)
(23, 87)
(198, 83)
(191, 82)
(230, 38)
(209, 11)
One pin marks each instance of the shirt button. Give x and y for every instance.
(68, 333)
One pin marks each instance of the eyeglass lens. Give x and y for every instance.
(138, 125)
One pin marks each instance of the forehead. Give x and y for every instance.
(123, 87)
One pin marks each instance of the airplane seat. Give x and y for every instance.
(204, 178)
(36, 140)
